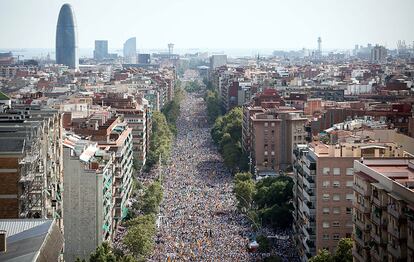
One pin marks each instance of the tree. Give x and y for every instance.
(343, 252)
(213, 105)
(209, 84)
(322, 256)
(103, 253)
(242, 176)
(231, 155)
(192, 86)
(277, 216)
(226, 133)
(139, 238)
(161, 139)
(244, 191)
(264, 244)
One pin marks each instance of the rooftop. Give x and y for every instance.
(401, 171)
(11, 145)
(31, 240)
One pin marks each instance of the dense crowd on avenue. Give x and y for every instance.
(198, 219)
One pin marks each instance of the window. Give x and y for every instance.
(325, 224)
(336, 210)
(335, 184)
(349, 197)
(335, 224)
(325, 197)
(325, 210)
(350, 171)
(325, 236)
(326, 170)
(266, 124)
(273, 124)
(336, 197)
(335, 236)
(325, 184)
(336, 171)
(348, 210)
(349, 183)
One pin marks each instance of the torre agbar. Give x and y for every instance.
(66, 38)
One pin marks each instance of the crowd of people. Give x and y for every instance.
(198, 217)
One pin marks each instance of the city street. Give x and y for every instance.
(198, 218)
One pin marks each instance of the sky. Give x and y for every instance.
(277, 24)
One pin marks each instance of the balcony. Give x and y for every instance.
(305, 182)
(410, 223)
(374, 254)
(363, 209)
(397, 252)
(378, 202)
(359, 223)
(376, 218)
(306, 210)
(397, 232)
(306, 195)
(379, 255)
(357, 256)
(410, 242)
(379, 238)
(360, 240)
(361, 191)
(395, 213)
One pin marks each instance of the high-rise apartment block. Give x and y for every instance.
(88, 197)
(323, 190)
(98, 182)
(383, 210)
(270, 134)
(31, 163)
(378, 54)
(101, 49)
(136, 113)
(217, 61)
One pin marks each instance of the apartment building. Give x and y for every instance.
(139, 120)
(31, 163)
(113, 135)
(383, 210)
(273, 134)
(136, 112)
(89, 196)
(323, 189)
(269, 98)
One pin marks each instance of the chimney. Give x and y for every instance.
(2, 241)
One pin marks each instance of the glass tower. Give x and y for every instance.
(66, 38)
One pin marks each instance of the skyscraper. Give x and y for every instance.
(378, 54)
(66, 38)
(101, 49)
(130, 50)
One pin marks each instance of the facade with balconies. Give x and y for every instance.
(31, 163)
(386, 232)
(89, 196)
